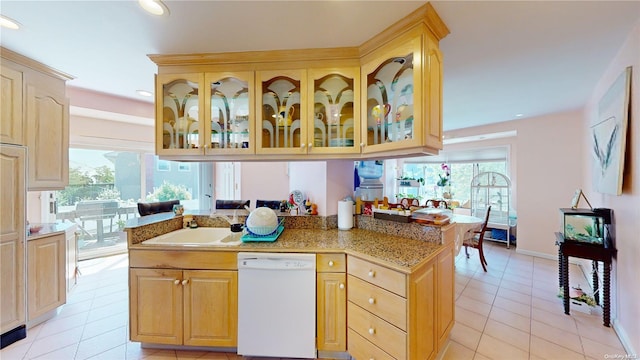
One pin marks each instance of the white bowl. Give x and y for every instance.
(262, 221)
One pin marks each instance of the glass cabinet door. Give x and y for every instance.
(229, 114)
(392, 107)
(334, 119)
(179, 106)
(280, 113)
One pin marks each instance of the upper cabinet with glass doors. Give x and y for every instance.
(180, 114)
(334, 118)
(230, 113)
(393, 97)
(380, 99)
(280, 112)
(200, 114)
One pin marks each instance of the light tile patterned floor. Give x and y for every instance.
(510, 312)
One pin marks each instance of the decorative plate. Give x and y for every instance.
(296, 196)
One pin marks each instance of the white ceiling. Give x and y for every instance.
(502, 58)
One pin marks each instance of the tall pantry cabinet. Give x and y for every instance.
(35, 113)
(12, 243)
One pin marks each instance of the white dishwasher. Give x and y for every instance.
(277, 305)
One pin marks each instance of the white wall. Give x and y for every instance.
(553, 158)
(544, 169)
(324, 182)
(310, 177)
(626, 207)
(264, 181)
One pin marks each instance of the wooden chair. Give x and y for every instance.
(476, 241)
(435, 203)
(232, 204)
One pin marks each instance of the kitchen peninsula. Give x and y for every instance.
(396, 282)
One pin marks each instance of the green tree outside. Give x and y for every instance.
(168, 191)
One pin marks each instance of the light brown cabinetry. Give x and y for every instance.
(37, 115)
(382, 98)
(402, 94)
(391, 79)
(394, 315)
(331, 302)
(205, 113)
(46, 280)
(72, 257)
(11, 126)
(180, 114)
(446, 294)
(333, 117)
(183, 306)
(280, 110)
(12, 237)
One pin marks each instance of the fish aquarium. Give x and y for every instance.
(587, 226)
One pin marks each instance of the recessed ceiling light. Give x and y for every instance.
(9, 23)
(155, 7)
(144, 93)
(519, 115)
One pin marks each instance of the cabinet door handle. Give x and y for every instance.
(302, 146)
(310, 145)
(176, 281)
(330, 263)
(372, 273)
(372, 301)
(361, 144)
(341, 286)
(372, 331)
(185, 282)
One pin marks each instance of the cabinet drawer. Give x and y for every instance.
(377, 331)
(331, 263)
(171, 259)
(360, 348)
(385, 304)
(378, 275)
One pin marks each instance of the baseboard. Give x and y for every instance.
(536, 254)
(12, 336)
(622, 335)
(546, 256)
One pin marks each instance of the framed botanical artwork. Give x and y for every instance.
(609, 136)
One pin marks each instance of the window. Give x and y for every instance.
(163, 165)
(461, 174)
(105, 187)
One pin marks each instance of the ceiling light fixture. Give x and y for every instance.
(144, 93)
(9, 23)
(154, 7)
(519, 115)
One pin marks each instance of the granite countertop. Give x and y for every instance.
(397, 252)
(159, 217)
(50, 229)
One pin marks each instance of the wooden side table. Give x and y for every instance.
(591, 252)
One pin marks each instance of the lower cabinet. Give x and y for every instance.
(363, 307)
(46, 276)
(72, 258)
(331, 302)
(397, 315)
(184, 307)
(446, 294)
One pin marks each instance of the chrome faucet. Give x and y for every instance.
(230, 221)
